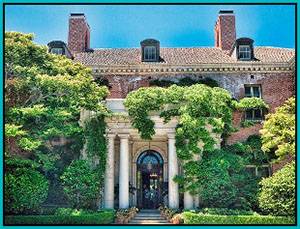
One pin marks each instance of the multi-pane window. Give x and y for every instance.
(259, 171)
(252, 91)
(244, 52)
(253, 114)
(58, 51)
(150, 53)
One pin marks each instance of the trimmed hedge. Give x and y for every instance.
(194, 218)
(225, 211)
(105, 217)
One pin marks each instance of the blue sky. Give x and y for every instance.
(173, 25)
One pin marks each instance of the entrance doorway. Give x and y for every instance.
(149, 179)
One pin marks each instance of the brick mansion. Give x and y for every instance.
(235, 64)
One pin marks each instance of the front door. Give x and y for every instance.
(149, 179)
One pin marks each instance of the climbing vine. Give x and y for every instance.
(94, 131)
(202, 112)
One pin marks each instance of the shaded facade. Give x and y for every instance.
(136, 167)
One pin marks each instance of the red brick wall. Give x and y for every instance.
(79, 34)
(121, 85)
(225, 34)
(276, 89)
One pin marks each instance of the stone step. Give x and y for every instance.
(143, 211)
(146, 214)
(134, 221)
(148, 217)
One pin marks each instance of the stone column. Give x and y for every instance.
(109, 182)
(188, 200)
(173, 171)
(191, 202)
(124, 171)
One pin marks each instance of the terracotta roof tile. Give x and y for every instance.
(178, 56)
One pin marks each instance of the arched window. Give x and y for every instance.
(150, 161)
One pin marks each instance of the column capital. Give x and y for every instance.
(171, 135)
(110, 135)
(123, 136)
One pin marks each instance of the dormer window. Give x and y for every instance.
(59, 48)
(150, 50)
(150, 53)
(57, 51)
(244, 52)
(243, 49)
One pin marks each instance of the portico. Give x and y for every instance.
(124, 147)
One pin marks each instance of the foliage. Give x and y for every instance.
(251, 103)
(168, 213)
(203, 113)
(94, 131)
(277, 195)
(278, 133)
(187, 81)
(102, 217)
(198, 218)
(247, 123)
(81, 184)
(225, 211)
(25, 188)
(71, 212)
(125, 215)
(44, 94)
(222, 181)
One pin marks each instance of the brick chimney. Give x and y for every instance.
(79, 33)
(225, 34)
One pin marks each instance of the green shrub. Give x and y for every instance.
(71, 211)
(25, 190)
(81, 184)
(224, 182)
(225, 211)
(277, 196)
(102, 217)
(198, 218)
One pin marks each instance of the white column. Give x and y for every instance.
(196, 201)
(124, 171)
(109, 182)
(173, 171)
(188, 200)
(191, 202)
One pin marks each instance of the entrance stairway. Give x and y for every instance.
(148, 216)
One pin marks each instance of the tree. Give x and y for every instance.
(278, 133)
(81, 184)
(44, 94)
(278, 193)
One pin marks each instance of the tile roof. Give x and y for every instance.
(179, 56)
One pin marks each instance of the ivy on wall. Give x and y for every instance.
(94, 132)
(203, 112)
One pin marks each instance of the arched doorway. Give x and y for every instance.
(149, 179)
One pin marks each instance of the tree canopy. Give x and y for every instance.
(44, 94)
(278, 133)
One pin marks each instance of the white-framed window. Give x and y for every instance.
(244, 52)
(150, 53)
(259, 170)
(58, 51)
(253, 91)
(253, 114)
